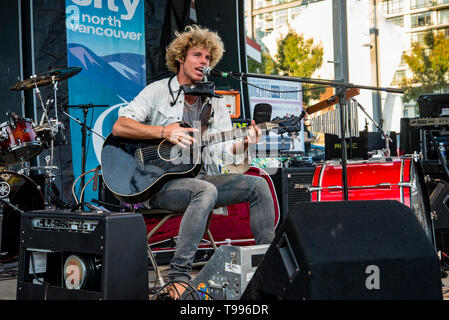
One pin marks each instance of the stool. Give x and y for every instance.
(166, 215)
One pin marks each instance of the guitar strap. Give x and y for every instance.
(205, 116)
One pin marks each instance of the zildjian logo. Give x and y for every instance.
(4, 189)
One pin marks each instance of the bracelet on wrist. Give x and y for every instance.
(162, 133)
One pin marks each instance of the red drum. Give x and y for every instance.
(400, 179)
(18, 142)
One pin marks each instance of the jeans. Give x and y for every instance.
(197, 197)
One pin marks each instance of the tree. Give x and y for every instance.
(429, 64)
(296, 57)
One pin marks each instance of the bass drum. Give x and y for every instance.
(23, 193)
(400, 179)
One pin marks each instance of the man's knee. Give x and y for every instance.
(261, 185)
(205, 189)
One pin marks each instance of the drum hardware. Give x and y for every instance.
(388, 185)
(6, 202)
(46, 133)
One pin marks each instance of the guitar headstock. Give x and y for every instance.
(286, 124)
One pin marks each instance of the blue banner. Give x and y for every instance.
(106, 39)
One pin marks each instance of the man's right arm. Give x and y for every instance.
(132, 129)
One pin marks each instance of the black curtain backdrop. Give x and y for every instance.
(162, 19)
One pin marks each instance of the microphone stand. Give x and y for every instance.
(84, 129)
(341, 88)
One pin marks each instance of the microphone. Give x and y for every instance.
(262, 112)
(208, 71)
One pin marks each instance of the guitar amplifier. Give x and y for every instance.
(291, 186)
(79, 255)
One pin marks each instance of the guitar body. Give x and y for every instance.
(134, 170)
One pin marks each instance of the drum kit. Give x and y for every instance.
(22, 140)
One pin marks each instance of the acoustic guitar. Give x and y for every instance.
(134, 170)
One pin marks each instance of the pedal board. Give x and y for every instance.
(228, 272)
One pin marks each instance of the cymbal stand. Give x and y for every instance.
(49, 168)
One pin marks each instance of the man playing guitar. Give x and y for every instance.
(156, 113)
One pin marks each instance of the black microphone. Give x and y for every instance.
(208, 71)
(262, 113)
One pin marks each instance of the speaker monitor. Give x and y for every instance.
(291, 186)
(433, 105)
(439, 201)
(70, 256)
(357, 250)
(228, 21)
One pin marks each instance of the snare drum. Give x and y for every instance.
(18, 142)
(400, 179)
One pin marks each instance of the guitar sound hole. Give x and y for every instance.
(168, 151)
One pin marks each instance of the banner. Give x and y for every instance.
(106, 39)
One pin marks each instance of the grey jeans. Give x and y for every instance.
(197, 197)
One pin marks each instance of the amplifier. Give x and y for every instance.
(360, 146)
(80, 255)
(291, 186)
(228, 272)
(433, 105)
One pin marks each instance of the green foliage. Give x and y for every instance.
(296, 57)
(429, 64)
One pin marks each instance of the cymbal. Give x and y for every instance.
(46, 78)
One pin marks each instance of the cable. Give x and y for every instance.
(76, 180)
(82, 191)
(189, 289)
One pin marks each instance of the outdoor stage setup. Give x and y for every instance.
(365, 219)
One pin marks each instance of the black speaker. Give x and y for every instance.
(358, 147)
(409, 138)
(291, 186)
(439, 202)
(228, 21)
(432, 105)
(348, 250)
(80, 255)
(355, 147)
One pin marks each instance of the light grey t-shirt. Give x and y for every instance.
(191, 114)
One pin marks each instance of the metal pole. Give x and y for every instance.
(374, 58)
(341, 70)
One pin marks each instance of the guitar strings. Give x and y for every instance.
(153, 152)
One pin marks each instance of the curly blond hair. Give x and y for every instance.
(193, 36)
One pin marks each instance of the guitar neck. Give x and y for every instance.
(238, 133)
